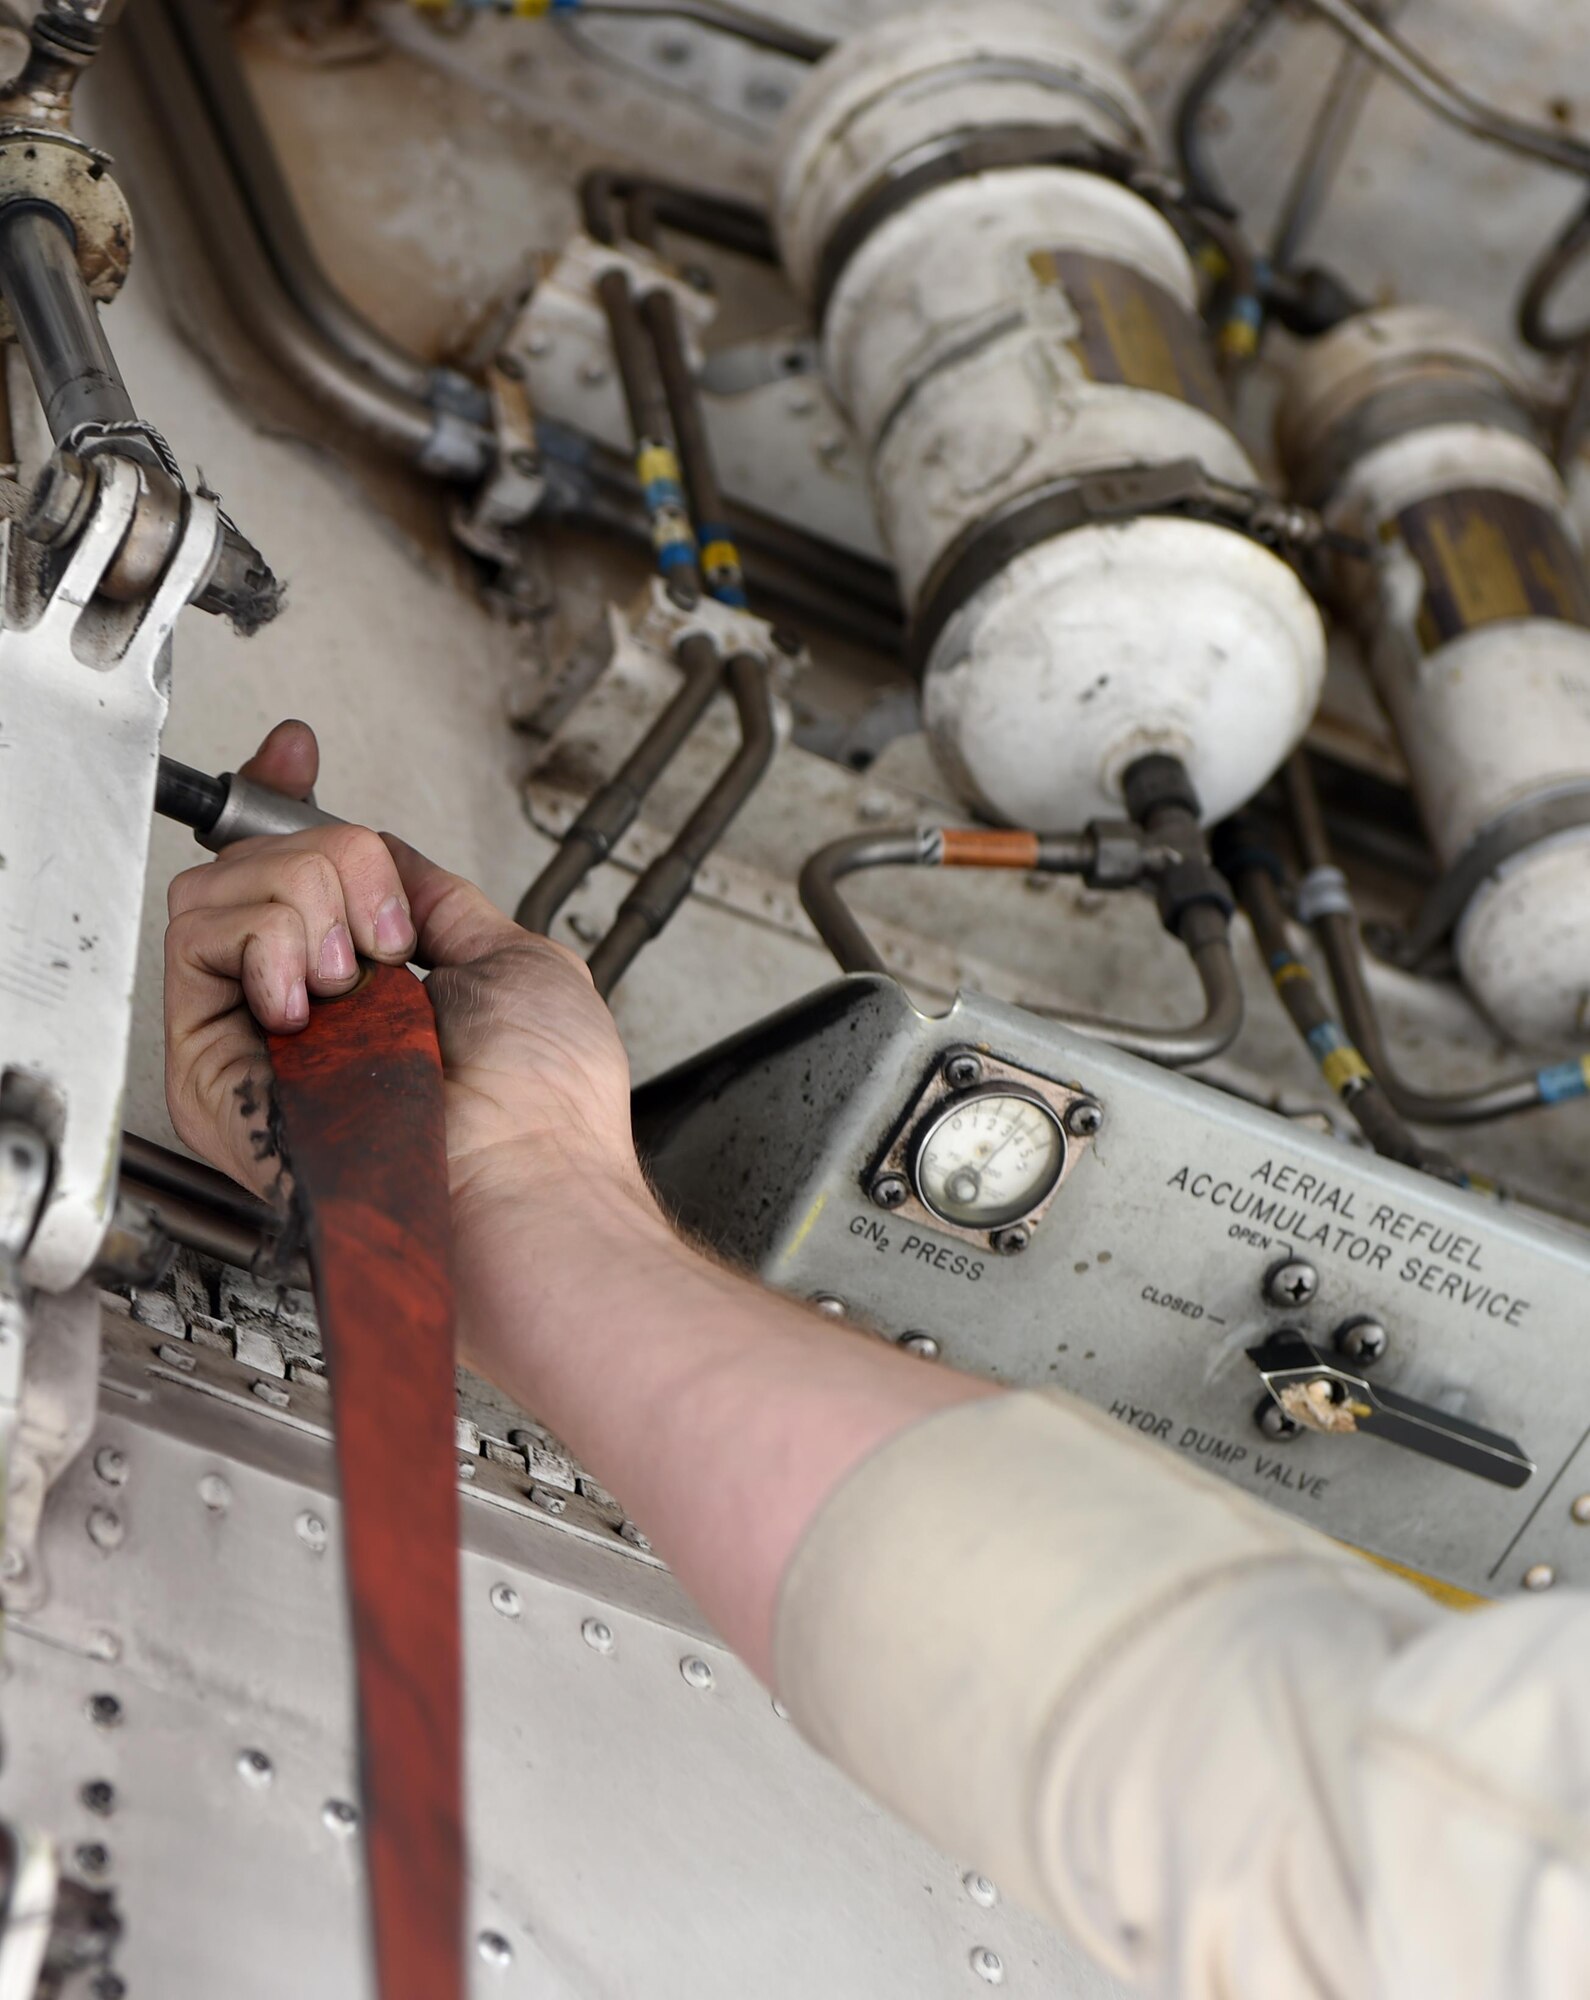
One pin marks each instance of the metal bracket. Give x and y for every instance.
(84, 687)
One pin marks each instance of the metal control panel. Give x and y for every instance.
(1396, 1361)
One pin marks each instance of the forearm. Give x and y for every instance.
(723, 1414)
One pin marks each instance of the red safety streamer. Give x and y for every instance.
(360, 1119)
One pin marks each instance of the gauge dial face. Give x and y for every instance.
(989, 1158)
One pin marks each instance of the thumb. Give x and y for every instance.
(288, 761)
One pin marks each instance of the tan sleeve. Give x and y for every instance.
(960, 1613)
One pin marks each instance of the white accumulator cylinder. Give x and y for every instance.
(999, 326)
(1415, 436)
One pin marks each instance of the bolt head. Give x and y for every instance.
(92, 1857)
(988, 1965)
(962, 1071)
(340, 1816)
(1084, 1119)
(99, 1796)
(598, 1635)
(1292, 1282)
(1010, 1242)
(1273, 1421)
(495, 1949)
(255, 1768)
(923, 1345)
(890, 1190)
(1362, 1340)
(828, 1305)
(111, 1465)
(1539, 1576)
(697, 1672)
(505, 1600)
(104, 1711)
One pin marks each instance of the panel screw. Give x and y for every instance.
(961, 1071)
(980, 1889)
(505, 1599)
(697, 1672)
(111, 1465)
(105, 1528)
(1362, 1340)
(829, 1306)
(1292, 1282)
(597, 1636)
(93, 1857)
(889, 1190)
(339, 1816)
(1539, 1576)
(255, 1768)
(1580, 1510)
(637, 1540)
(311, 1531)
(99, 1796)
(215, 1493)
(495, 1949)
(1085, 1119)
(988, 1965)
(1276, 1425)
(1009, 1241)
(921, 1344)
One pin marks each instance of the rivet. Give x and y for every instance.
(505, 1600)
(93, 1857)
(1580, 1510)
(339, 1816)
(215, 1493)
(628, 1532)
(828, 1305)
(988, 1965)
(495, 1949)
(923, 1345)
(99, 1796)
(105, 1529)
(780, 1710)
(1539, 1576)
(111, 1465)
(980, 1889)
(104, 1711)
(311, 1531)
(697, 1672)
(597, 1635)
(255, 1768)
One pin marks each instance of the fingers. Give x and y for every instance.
(288, 760)
(455, 921)
(212, 955)
(341, 883)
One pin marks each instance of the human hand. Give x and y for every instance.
(537, 1082)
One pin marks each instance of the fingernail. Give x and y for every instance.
(336, 954)
(296, 1007)
(394, 928)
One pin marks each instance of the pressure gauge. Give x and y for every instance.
(988, 1158)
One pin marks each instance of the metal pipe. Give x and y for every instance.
(656, 454)
(762, 32)
(57, 322)
(208, 42)
(1337, 931)
(1203, 931)
(1323, 152)
(215, 1234)
(155, 1166)
(610, 812)
(1229, 44)
(445, 445)
(718, 555)
(666, 883)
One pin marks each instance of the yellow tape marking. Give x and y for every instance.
(1449, 1594)
(1343, 1066)
(656, 461)
(808, 1223)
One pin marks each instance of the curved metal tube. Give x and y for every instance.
(1204, 930)
(445, 445)
(1338, 936)
(760, 30)
(611, 811)
(666, 883)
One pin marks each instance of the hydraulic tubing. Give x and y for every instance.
(762, 32)
(57, 322)
(1337, 931)
(206, 36)
(439, 443)
(666, 883)
(1203, 931)
(719, 558)
(609, 814)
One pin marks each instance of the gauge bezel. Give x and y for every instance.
(950, 1106)
(893, 1167)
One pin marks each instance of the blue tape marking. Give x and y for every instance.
(1561, 1081)
(663, 493)
(674, 555)
(1326, 1039)
(732, 595)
